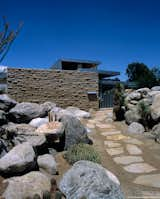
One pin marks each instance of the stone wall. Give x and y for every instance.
(66, 88)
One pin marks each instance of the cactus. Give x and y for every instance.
(36, 196)
(46, 195)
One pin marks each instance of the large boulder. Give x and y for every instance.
(134, 96)
(132, 116)
(136, 128)
(37, 122)
(27, 186)
(20, 159)
(77, 112)
(3, 118)
(74, 131)
(90, 180)
(155, 108)
(18, 129)
(24, 112)
(47, 163)
(156, 132)
(6, 103)
(143, 91)
(48, 106)
(155, 88)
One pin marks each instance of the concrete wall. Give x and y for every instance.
(66, 88)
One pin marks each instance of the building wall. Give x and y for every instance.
(66, 88)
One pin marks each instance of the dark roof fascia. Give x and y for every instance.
(78, 61)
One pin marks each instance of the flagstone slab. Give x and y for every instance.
(115, 151)
(105, 126)
(128, 159)
(133, 149)
(91, 126)
(111, 144)
(151, 180)
(110, 133)
(116, 137)
(92, 121)
(133, 141)
(139, 168)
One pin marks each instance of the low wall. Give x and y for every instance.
(65, 88)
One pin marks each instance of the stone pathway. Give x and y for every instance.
(126, 151)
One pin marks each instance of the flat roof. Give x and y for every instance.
(78, 61)
(106, 73)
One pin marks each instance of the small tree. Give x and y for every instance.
(141, 74)
(7, 36)
(118, 102)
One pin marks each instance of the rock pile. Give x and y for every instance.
(26, 138)
(150, 99)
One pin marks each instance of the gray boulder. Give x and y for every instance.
(155, 108)
(37, 122)
(143, 91)
(134, 96)
(90, 180)
(24, 112)
(77, 112)
(20, 159)
(6, 103)
(27, 186)
(156, 132)
(3, 118)
(48, 106)
(47, 163)
(18, 129)
(132, 116)
(74, 131)
(155, 88)
(136, 128)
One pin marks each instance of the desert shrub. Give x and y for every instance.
(118, 102)
(144, 112)
(82, 152)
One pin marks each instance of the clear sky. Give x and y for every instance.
(115, 32)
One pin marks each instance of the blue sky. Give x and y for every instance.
(115, 32)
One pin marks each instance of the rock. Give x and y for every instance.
(156, 132)
(90, 180)
(37, 122)
(155, 108)
(3, 118)
(20, 159)
(27, 186)
(134, 102)
(18, 129)
(136, 128)
(146, 101)
(78, 113)
(51, 128)
(3, 148)
(153, 93)
(6, 103)
(74, 131)
(143, 91)
(134, 96)
(155, 88)
(47, 163)
(24, 112)
(132, 116)
(39, 143)
(48, 106)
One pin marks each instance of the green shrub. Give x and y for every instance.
(118, 102)
(144, 111)
(82, 152)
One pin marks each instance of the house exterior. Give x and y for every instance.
(69, 82)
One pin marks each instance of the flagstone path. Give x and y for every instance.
(127, 152)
